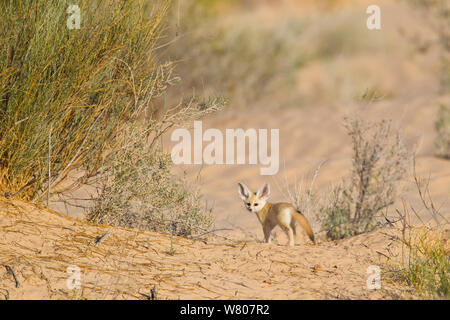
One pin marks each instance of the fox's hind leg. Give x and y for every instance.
(291, 237)
(294, 227)
(290, 233)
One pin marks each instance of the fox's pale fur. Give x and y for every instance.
(270, 215)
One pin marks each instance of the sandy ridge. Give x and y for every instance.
(39, 245)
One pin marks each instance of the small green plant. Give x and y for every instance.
(425, 251)
(338, 225)
(442, 126)
(427, 267)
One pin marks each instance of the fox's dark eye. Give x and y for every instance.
(248, 203)
(255, 204)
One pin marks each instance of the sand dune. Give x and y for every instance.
(39, 245)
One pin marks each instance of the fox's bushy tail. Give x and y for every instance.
(305, 225)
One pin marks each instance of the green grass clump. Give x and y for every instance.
(337, 224)
(77, 87)
(428, 266)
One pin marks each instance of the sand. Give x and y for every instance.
(39, 246)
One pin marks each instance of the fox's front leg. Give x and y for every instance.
(267, 229)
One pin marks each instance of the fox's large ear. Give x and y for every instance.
(243, 191)
(263, 192)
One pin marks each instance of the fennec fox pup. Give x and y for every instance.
(270, 215)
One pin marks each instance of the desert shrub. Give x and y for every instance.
(442, 126)
(76, 88)
(338, 224)
(136, 187)
(138, 190)
(380, 160)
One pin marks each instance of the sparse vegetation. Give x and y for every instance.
(424, 261)
(426, 266)
(380, 160)
(138, 190)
